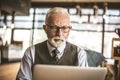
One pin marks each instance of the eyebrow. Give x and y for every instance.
(59, 26)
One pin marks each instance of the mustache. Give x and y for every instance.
(61, 38)
(57, 41)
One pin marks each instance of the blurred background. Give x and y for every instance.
(95, 26)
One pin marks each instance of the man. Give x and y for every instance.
(57, 27)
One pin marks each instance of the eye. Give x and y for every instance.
(53, 27)
(63, 27)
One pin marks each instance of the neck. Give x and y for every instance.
(51, 44)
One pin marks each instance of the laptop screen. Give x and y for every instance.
(53, 72)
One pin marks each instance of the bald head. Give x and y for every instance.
(56, 10)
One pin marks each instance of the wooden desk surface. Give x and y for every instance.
(9, 71)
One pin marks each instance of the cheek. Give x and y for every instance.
(65, 35)
(50, 34)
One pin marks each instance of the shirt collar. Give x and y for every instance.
(51, 48)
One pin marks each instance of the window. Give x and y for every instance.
(83, 34)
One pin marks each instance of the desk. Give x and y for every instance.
(8, 71)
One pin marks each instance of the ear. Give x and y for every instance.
(45, 28)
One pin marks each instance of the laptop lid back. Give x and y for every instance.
(53, 72)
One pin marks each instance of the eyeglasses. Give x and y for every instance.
(64, 29)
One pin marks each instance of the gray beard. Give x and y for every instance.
(56, 44)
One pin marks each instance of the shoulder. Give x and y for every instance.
(30, 51)
(79, 48)
(41, 43)
(71, 46)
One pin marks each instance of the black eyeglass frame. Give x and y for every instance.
(57, 28)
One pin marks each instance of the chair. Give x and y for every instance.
(95, 59)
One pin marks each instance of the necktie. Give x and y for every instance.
(55, 52)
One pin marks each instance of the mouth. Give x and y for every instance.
(58, 40)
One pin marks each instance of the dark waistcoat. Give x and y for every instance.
(42, 55)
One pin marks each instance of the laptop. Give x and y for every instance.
(58, 72)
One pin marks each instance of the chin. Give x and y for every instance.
(57, 43)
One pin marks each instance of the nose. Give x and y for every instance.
(59, 32)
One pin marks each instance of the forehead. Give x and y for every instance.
(58, 19)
